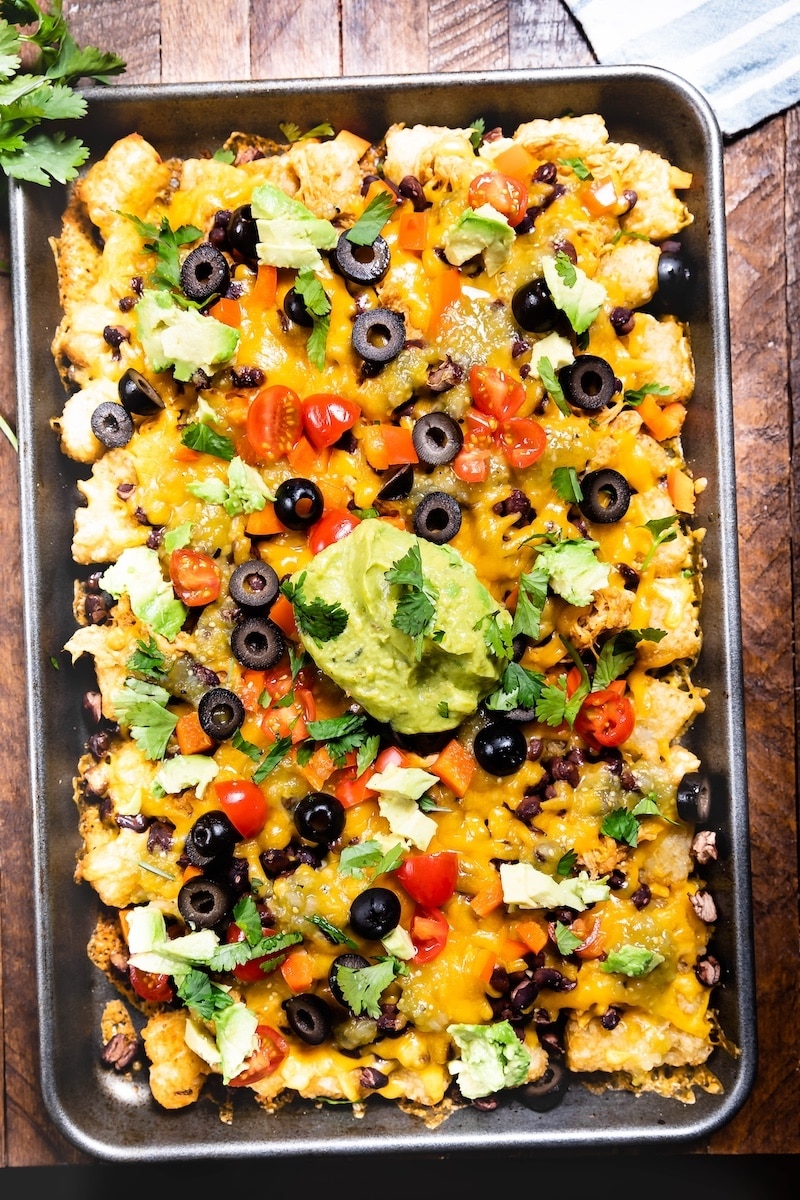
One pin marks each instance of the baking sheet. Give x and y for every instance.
(114, 1118)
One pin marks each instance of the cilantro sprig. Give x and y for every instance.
(340, 734)
(202, 438)
(416, 604)
(165, 242)
(321, 621)
(368, 856)
(293, 133)
(635, 396)
(318, 307)
(44, 91)
(372, 220)
(663, 529)
(363, 987)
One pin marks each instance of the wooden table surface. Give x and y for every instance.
(187, 40)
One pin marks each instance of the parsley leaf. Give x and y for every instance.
(552, 386)
(362, 988)
(272, 758)
(566, 863)
(201, 437)
(165, 243)
(622, 826)
(635, 396)
(340, 734)
(331, 932)
(663, 529)
(566, 485)
(566, 940)
(148, 660)
(416, 606)
(531, 599)
(321, 621)
(372, 220)
(578, 166)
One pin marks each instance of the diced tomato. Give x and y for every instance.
(494, 392)
(507, 195)
(157, 989)
(591, 931)
(335, 524)
(351, 790)
(326, 417)
(195, 576)
(274, 422)
(388, 446)
(244, 803)
(523, 441)
(605, 719)
(250, 971)
(265, 1060)
(290, 720)
(429, 932)
(430, 879)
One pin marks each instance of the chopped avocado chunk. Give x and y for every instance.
(578, 296)
(574, 571)
(479, 230)
(289, 233)
(245, 491)
(182, 338)
(137, 571)
(631, 960)
(236, 1037)
(152, 950)
(526, 887)
(492, 1058)
(377, 662)
(185, 771)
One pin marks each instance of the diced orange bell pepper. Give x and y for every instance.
(516, 162)
(185, 454)
(533, 935)
(318, 770)
(681, 490)
(264, 522)
(663, 422)
(484, 964)
(488, 898)
(190, 735)
(512, 949)
(388, 446)
(444, 290)
(412, 231)
(455, 767)
(305, 460)
(297, 971)
(264, 290)
(282, 614)
(227, 311)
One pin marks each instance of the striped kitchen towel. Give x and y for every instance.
(744, 55)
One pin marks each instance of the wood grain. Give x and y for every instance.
(177, 40)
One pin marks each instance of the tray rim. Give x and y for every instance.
(741, 917)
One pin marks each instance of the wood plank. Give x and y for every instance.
(295, 38)
(201, 43)
(542, 33)
(384, 39)
(756, 179)
(471, 36)
(130, 30)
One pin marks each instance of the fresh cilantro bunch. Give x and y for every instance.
(43, 91)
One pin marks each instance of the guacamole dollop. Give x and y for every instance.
(416, 685)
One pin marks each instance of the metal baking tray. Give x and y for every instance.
(114, 1118)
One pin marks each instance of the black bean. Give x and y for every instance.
(622, 320)
(561, 769)
(546, 172)
(99, 744)
(159, 835)
(119, 1052)
(523, 995)
(410, 187)
(708, 970)
(549, 977)
(371, 1077)
(247, 377)
(611, 1017)
(641, 897)
(137, 822)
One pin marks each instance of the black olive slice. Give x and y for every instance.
(379, 335)
(205, 273)
(500, 748)
(353, 962)
(295, 308)
(203, 902)
(437, 438)
(548, 1090)
(221, 712)
(588, 382)
(309, 1017)
(254, 585)
(437, 518)
(138, 395)
(361, 264)
(319, 817)
(112, 424)
(606, 496)
(243, 233)
(375, 912)
(298, 503)
(211, 839)
(533, 307)
(258, 643)
(694, 799)
(398, 484)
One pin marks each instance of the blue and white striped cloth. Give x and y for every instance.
(744, 55)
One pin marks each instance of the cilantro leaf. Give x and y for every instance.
(478, 127)
(367, 753)
(566, 485)
(635, 396)
(340, 734)
(165, 242)
(566, 940)
(565, 269)
(272, 758)
(362, 988)
(202, 996)
(531, 599)
(578, 166)
(141, 707)
(519, 688)
(372, 220)
(622, 826)
(618, 654)
(331, 932)
(416, 606)
(496, 635)
(318, 307)
(245, 747)
(292, 132)
(552, 386)
(368, 856)
(663, 529)
(321, 621)
(148, 660)
(201, 437)
(566, 863)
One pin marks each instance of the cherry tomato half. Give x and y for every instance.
(508, 196)
(244, 803)
(334, 524)
(326, 417)
(250, 971)
(471, 464)
(591, 931)
(605, 719)
(430, 879)
(157, 989)
(429, 930)
(494, 392)
(271, 1051)
(195, 577)
(274, 422)
(523, 441)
